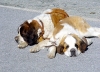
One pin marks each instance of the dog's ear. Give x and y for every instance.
(83, 45)
(60, 49)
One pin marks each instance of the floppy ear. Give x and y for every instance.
(83, 45)
(34, 24)
(60, 48)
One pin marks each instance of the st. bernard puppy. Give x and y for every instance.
(37, 29)
(70, 37)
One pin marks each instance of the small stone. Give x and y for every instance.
(92, 13)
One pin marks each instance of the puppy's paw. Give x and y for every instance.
(51, 55)
(35, 49)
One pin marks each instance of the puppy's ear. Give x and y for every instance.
(60, 49)
(83, 45)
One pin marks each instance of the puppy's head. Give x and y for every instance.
(72, 45)
(28, 34)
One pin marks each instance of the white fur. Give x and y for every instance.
(39, 31)
(47, 11)
(21, 41)
(19, 35)
(92, 31)
(52, 52)
(48, 24)
(71, 41)
(29, 21)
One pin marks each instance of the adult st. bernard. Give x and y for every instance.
(37, 29)
(70, 37)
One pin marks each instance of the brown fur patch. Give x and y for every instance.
(24, 28)
(40, 39)
(29, 33)
(65, 47)
(57, 15)
(77, 23)
(81, 44)
(37, 26)
(62, 46)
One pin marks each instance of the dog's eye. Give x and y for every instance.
(76, 45)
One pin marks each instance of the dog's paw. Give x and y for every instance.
(35, 49)
(21, 46)
(51, 55)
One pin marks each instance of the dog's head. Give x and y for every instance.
(72, 45)
(28, 34)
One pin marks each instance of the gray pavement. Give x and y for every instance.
(13, 59)
(87, 8)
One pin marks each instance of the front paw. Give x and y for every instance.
(51, 55)
(35, 49)
(21, 46)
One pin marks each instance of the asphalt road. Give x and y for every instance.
(87, 8)
(13, 59)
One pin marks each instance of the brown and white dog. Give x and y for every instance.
(70, 37)
(37, 29)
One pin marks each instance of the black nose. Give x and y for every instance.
(16, 39)
(73, 52)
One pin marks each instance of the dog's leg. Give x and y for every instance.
(93, 32)
(97, 30)
(39, 46)
(52, 52)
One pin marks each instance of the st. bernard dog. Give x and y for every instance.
(70, 37)
(37, 29)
